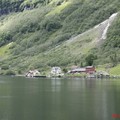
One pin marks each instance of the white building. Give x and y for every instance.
(56, 71)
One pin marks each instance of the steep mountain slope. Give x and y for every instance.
(44, 35)
(109, 52)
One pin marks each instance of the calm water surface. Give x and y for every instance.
(58, 99)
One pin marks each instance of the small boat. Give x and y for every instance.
(40, 76)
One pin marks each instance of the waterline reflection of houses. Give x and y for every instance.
(56, 85)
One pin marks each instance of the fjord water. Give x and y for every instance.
(58, 99)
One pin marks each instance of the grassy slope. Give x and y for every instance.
(38, 48)
(115, 70)
(4, 50)
(78, 46)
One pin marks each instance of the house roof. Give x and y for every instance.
(79, 70)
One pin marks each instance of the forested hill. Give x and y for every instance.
(33, 33)
(8, 6)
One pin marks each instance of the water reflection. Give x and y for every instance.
(58, 99)
(56, 84)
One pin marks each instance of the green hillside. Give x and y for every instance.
(46, 33)
(8, 6)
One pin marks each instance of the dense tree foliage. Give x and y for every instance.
(7, 6)
(90, 59)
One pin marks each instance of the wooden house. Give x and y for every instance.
(78, 70)
(87, 70)
(90, 69)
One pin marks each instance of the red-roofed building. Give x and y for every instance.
(90, 69)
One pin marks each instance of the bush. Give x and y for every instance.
(9, 72)
(90, 59)
(65, 70)
(4, 67)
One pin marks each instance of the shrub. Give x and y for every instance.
(4, 67)
(9, 72)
